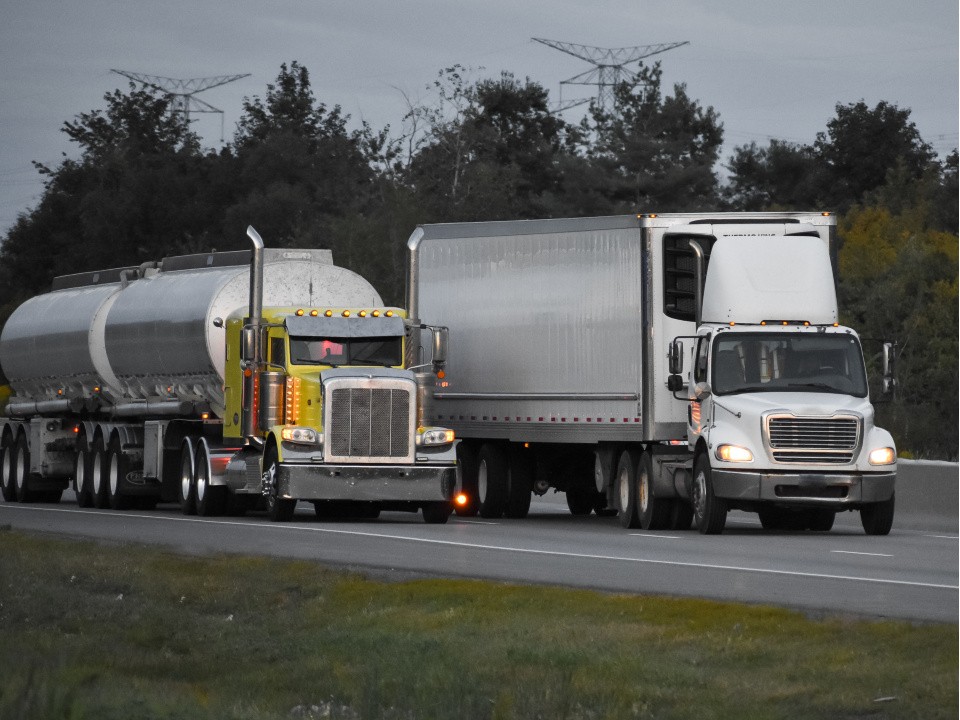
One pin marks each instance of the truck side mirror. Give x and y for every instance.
(889, 368)
(675, 357)
(440, 340)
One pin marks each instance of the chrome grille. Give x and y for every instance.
(368, 423)
(813, 440)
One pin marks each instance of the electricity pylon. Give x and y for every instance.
(609, 68)
(182, 92)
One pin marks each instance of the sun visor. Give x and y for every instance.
(344, 327)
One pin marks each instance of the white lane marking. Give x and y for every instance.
(461, 521)
(502, 548)
(851, 552)
(943, 537)
(658, 537)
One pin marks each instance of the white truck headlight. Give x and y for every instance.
(433, 436)
(883, 456)
(301, 435)
(734, 453)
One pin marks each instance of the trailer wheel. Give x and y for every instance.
(82, 481)
(186, 490)
(278, 509)
(117, 465)
(98, 470)
(519, 482)
(709, 511)
(25, 493)
(492, 480)
(467, 474)
(581, 499)
(8, 485)
(626, 487)
(877, 518)
(654, 512)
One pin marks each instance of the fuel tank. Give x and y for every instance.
(106, 340)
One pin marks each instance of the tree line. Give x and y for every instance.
(142, 187)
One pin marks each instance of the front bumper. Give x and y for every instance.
(369, 483)
(837, 490)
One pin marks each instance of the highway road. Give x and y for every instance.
(912, 574)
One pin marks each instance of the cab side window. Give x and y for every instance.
(700, 361)
(277, 354)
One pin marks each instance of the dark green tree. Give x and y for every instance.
(659, 150)
(134, 193)
(781, 175)
(861, 145)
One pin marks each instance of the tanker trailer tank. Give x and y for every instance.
(52, 346)
(165, 334)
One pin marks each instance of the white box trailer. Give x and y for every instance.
(560, 372)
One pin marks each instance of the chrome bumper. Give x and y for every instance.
(370, 483)
(810, 489)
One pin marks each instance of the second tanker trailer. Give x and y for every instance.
(224, 381)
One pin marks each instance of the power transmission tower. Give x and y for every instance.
(609, 68)
(182, 92)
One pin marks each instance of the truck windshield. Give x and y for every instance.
(384, 351)
(788, 362)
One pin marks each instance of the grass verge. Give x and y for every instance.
(95, 631)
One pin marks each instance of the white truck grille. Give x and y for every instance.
(369, 420)
(813, 439)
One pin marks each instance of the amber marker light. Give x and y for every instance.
(376, 313)
(461, 500)
(389, 313)
(362, 313)
(345, 313)
(328, 313)
(299, 312)
(314, 313)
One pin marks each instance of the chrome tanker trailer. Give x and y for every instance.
(226, 382)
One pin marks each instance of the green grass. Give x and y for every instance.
(105, 631)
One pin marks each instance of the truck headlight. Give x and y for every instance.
(301, 435)
(734, 453)
(883, 456)
(433, 436)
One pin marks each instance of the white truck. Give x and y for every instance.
(225, 382)
(665, 367)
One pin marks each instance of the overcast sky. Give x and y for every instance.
(771, 69)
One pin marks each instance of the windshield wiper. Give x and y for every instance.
(817, 386)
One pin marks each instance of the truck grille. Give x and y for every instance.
(368, 423)
(813, 440)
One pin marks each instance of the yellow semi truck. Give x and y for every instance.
(226, 382)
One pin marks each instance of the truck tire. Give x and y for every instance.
(8, 485)
(581, 499)
(436, 513)
(82, 481)
(492, 480)
(709, 511)
(211, 499)
(25, 493)
(519, 482)
(187, 488)
(821, 520)
(467, 473)
(654, 512)
(625, 484)
(278, 509)
(98, 475)
(681, 515)
(117, 465)
(877, 518)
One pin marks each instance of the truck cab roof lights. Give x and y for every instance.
(375, 313)
(362, 313)
(314, 313)
(299, 312)
(345, 313)
(328, 313)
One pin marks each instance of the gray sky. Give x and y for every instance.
(771, 69)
